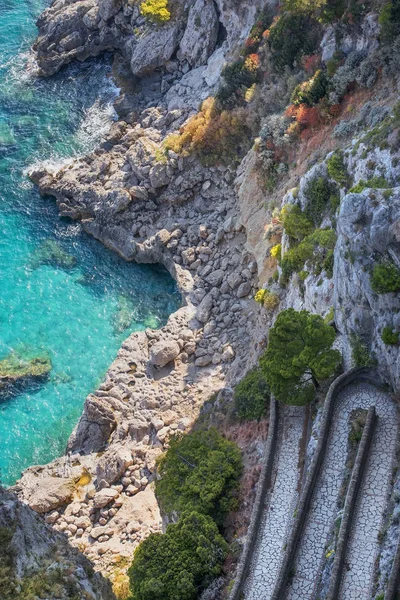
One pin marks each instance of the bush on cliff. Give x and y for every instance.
(296, 224)
(252, 396)
(179, 564)
(315, 249)
(155, 10)
(299, 356)
(292, 36)
(389, 20)
(200, 471)
(385, 278)
(212, 134)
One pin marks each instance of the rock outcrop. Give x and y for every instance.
(31, 551)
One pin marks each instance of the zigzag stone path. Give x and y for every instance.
(280, 504)
(363, 545)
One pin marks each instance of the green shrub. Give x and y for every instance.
(237, 78)
(179, 564)
(374, 182)
(314, 249)
(385, 278)
(299, 355)
(312, 91)
(318, 194)
(337, 169)
(200, 471)
(390, 337)
(360, 353)
(389, 20)
(252, 396)
(155, 10)
(292, 36)
(296, 224)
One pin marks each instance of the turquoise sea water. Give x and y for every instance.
(78, 316)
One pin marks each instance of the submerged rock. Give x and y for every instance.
(124, 315)
(50, 253)
(17, 372)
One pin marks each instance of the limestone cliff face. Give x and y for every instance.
(33, 556)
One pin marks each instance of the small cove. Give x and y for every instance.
(77, 313)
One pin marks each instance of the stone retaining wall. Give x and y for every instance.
(336, 387)
(350, 504)
(256, 517)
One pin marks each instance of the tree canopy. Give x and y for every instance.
(299, 356)
(179, 564)
(200, 471)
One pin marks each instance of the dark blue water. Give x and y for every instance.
(78, 316)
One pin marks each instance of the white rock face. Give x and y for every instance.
(155, 49)
(201, 33)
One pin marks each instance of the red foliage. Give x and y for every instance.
(269, 144)
(308, 116)
(311, 63)
(335, 110)
(291, 111)
(251, 42)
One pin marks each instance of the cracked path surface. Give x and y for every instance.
(363, 544)
(279, 507)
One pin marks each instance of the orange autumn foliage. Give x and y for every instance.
(214, 135)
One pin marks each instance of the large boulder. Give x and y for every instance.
(155, 48)
(201, 34)
(51, 493)
(164, 352)
(113, 464)
(204, 309)
(109, 8)
(104, 497)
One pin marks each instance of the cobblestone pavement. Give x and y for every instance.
(368, 517)
(280, 504)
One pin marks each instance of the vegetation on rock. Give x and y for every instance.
(390, 337)
(337, 169)
(267, 298)
(385, 278)
(214, 135)
(320, 195)
(155, 10)
(299, 356)
(252, 396)
(296, 224)
(179, 564)
(293, 35)
(200, 471)
(316, 249)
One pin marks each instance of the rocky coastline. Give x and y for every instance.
(206, 225)
(183, 215)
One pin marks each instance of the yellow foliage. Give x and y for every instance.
(259, 297)
(267, 298)
(213, 134)
(155, 10)
(249, 94)
(276, 251)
